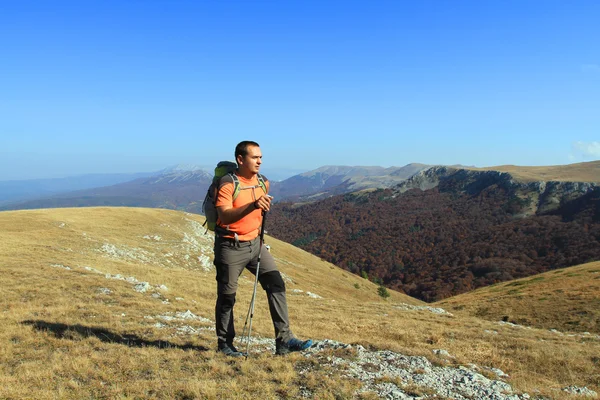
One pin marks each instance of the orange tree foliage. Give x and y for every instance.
(434, 244)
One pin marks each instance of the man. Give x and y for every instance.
(237, 246)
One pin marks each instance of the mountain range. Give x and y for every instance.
(19, 190)
(184, 187)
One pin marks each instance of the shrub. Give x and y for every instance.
(383, 292)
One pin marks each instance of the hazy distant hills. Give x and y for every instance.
(174, 189)
(448, 230)
(184, 188)
(16, 190)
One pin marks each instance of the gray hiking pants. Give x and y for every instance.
(231, 259)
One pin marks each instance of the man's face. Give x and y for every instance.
(251, 161)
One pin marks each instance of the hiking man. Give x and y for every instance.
(237, 246)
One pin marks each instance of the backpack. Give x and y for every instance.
(208, 206)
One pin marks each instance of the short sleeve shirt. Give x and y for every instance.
(247, 228)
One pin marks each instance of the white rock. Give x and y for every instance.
(142, 287)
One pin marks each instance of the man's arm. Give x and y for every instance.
(229, 214)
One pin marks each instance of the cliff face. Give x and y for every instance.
(533, 198)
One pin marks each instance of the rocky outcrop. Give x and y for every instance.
(540, 197)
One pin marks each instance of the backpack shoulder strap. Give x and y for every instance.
(236, 185)
(261, 183)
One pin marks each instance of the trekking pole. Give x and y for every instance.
(251, 309)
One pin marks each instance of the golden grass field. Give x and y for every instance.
(71, 329)
(579, 172)
(564, 299)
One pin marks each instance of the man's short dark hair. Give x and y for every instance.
(242, 148)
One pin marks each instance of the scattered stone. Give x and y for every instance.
(435, 310)
(314, 296)
(513, 325)
(104, 291)
(186, 330)
(286, 278)
(179, 298)
(205, 263)
(60, 266)
(155, 237)
(442, 353)
(582, 391)
(142, 287)
(498, 372)
(182, 316)
(370, 367)
(124, 252)
(491, 332)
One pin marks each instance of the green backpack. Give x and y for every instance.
(222, 169)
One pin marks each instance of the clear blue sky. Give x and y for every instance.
(131, 86)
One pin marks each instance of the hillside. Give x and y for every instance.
(118, 302)
(447, 231)
(564, 299)
(580, 172)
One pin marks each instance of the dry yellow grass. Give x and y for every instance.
(580, 172)
(82, 333)
(564, 299)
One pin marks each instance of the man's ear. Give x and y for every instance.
(239, 159)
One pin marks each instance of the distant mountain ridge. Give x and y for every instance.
(15, 190)
(183, 187)
(331, 180)
(179, 190)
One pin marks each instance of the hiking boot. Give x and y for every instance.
(231, 351)
(294, 344)
(231, 346)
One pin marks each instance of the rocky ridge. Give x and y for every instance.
(539, 197)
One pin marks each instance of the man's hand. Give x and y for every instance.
(263, 202)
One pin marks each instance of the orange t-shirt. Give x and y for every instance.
(248, 227)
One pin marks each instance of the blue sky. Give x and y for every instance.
(131, 86)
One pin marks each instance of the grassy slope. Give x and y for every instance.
(580, 172)
(563, 299)
(62, 334)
